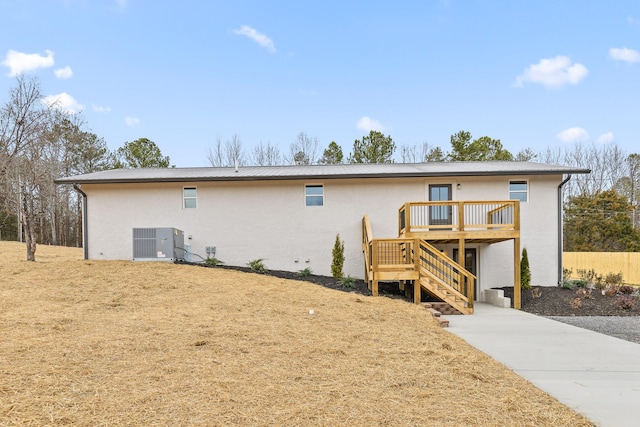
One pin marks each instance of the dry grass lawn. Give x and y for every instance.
(121, 343)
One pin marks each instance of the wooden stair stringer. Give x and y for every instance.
(445, 293)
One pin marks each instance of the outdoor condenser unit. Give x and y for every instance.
(158, 244)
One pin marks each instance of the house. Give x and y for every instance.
(481, 213)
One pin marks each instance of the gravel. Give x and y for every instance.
(626, 328)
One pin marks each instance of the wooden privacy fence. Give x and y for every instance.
(627, 263)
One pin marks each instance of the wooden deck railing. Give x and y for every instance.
(411, 259)
(417, 217)
(387, 259)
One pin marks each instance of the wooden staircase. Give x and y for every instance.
(418, 262)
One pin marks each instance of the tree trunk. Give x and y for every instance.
(28, 223)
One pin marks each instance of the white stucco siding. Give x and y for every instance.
(269, 219)
(246, 221)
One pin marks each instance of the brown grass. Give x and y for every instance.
(121, 343)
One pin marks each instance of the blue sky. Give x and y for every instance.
(183, 73)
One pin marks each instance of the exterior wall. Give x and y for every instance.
(269, 219)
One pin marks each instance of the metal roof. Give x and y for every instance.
(342, 171)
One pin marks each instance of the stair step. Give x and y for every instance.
(445, 308)
(444, 323)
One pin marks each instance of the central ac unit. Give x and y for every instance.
(158, 244)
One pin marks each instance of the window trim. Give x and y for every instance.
(525, 192)
(307, 196)
(185, 198)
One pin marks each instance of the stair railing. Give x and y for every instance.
(448, 272)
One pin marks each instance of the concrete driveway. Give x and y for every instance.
(592, 373)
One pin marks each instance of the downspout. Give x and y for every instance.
(560, 234)
(85, 237)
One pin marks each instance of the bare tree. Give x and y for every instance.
(608, 164)
(216, 155)
(266, 155)
(227, 155)
(25, 129)
(304, 151)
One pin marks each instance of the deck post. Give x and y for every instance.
(417, 291)
(516, 273)
(407, 218)
(374, 288)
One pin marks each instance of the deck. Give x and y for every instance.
(412, 259)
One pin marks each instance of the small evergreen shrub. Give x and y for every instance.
(257, 265)
(337, 263)
(525, 271)
(305, 272)
(213, 262)
(348, 282)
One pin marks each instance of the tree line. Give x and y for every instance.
(40, 142)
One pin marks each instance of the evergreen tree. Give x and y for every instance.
(338, 258)
(525, 271)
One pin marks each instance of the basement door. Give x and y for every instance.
(470, 264)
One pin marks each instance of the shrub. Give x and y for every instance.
(626, 290)
(337, 262)
(213, 261)
(584, 293)
(568, 284)
(575, 303)
(347, 282)
(566, 274)
(625, 302)
(305, 272)
(580, 283)
(257, 265)
(536, 293)
(610, 290)
(525, 271)
(613, 279)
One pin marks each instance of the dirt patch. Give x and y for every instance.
(124, 343)
(557, 301)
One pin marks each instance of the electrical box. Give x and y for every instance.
(158, 244)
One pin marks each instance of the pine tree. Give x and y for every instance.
(338, 258)
(525, 271)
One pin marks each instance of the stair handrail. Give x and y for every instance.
(367, 238)
(450, 273)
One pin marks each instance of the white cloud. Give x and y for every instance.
(100, 108)
(624, 54)
(64, 73)
(574, 134)
(63, 101)
(605, 138)
(553, 73)
(19, 62)
(257, 37)
(368, 124)
(132, 121)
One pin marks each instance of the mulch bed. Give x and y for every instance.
(556, 301)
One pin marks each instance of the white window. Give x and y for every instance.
(519, 190)
(314, 195)
(190, 197)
